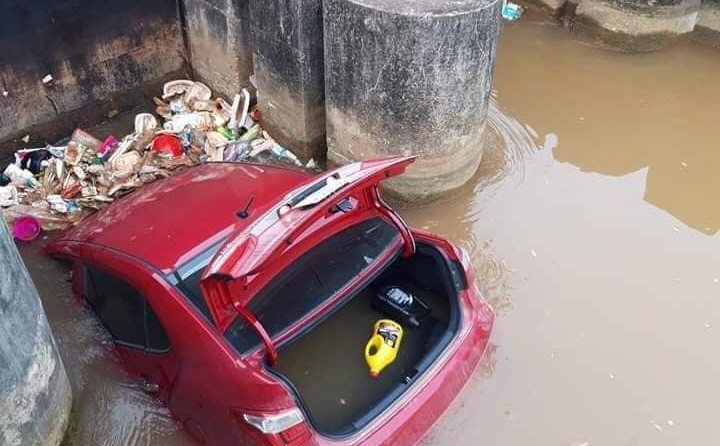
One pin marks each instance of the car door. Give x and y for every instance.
(122, 301)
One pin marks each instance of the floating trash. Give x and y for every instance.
(512, 11)
(59, 186)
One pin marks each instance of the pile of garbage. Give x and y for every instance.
(61, 185)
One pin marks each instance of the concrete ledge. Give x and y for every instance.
(636, 26)
(552, 7)
(707, 30)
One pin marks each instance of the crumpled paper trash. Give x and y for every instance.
(8, 196)
(62, 185)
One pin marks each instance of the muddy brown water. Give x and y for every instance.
(593, 228)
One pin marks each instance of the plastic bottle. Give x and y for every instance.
(381, 350)
(21, 177)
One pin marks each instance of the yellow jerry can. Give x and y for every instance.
(382, 348)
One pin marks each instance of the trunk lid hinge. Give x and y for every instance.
(219, 291)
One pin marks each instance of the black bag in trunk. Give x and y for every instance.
(401, 305)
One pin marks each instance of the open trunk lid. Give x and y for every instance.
(248, 250)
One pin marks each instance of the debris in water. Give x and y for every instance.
(676, 229)
(342, 401)
(8, 196)
(512, 11)
(534, 254)
(656, 426)
(59, 186)
(670, 423)
(507, 267)
(550, 142)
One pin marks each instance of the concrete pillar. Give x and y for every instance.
(35, 395)
(289, 73)
(219, 43)
(707, 29)
(636, 25)
(410, 77)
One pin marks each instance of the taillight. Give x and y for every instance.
(276, 423)
(285, 428)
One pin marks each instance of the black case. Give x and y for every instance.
(399, 304)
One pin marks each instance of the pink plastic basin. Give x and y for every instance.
(26, 228)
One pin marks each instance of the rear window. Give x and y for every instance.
(312, 279)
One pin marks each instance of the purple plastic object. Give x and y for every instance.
(26, 228)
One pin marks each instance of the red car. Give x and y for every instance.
(242, 295)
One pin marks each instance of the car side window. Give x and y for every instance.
(124, 311)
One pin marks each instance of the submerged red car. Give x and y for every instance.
(242, 296)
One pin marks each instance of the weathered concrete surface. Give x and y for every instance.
(636, 25)
(95, 52)
(707, 29)
(410, 78)
(35, 394)
(289, 71)
(219, 42)
(551, 6)
(86, 116)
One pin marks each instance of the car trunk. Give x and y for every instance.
(326, 367)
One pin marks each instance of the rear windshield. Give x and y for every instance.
(312, 279)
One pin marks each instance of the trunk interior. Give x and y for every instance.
(326, 365)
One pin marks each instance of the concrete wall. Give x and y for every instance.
(219, 42)
(35, 394)
(707, 29)
(289, 69)
(102, 56)
(636, 25)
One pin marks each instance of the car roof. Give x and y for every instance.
(168, 222)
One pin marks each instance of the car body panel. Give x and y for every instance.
(199, 205)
